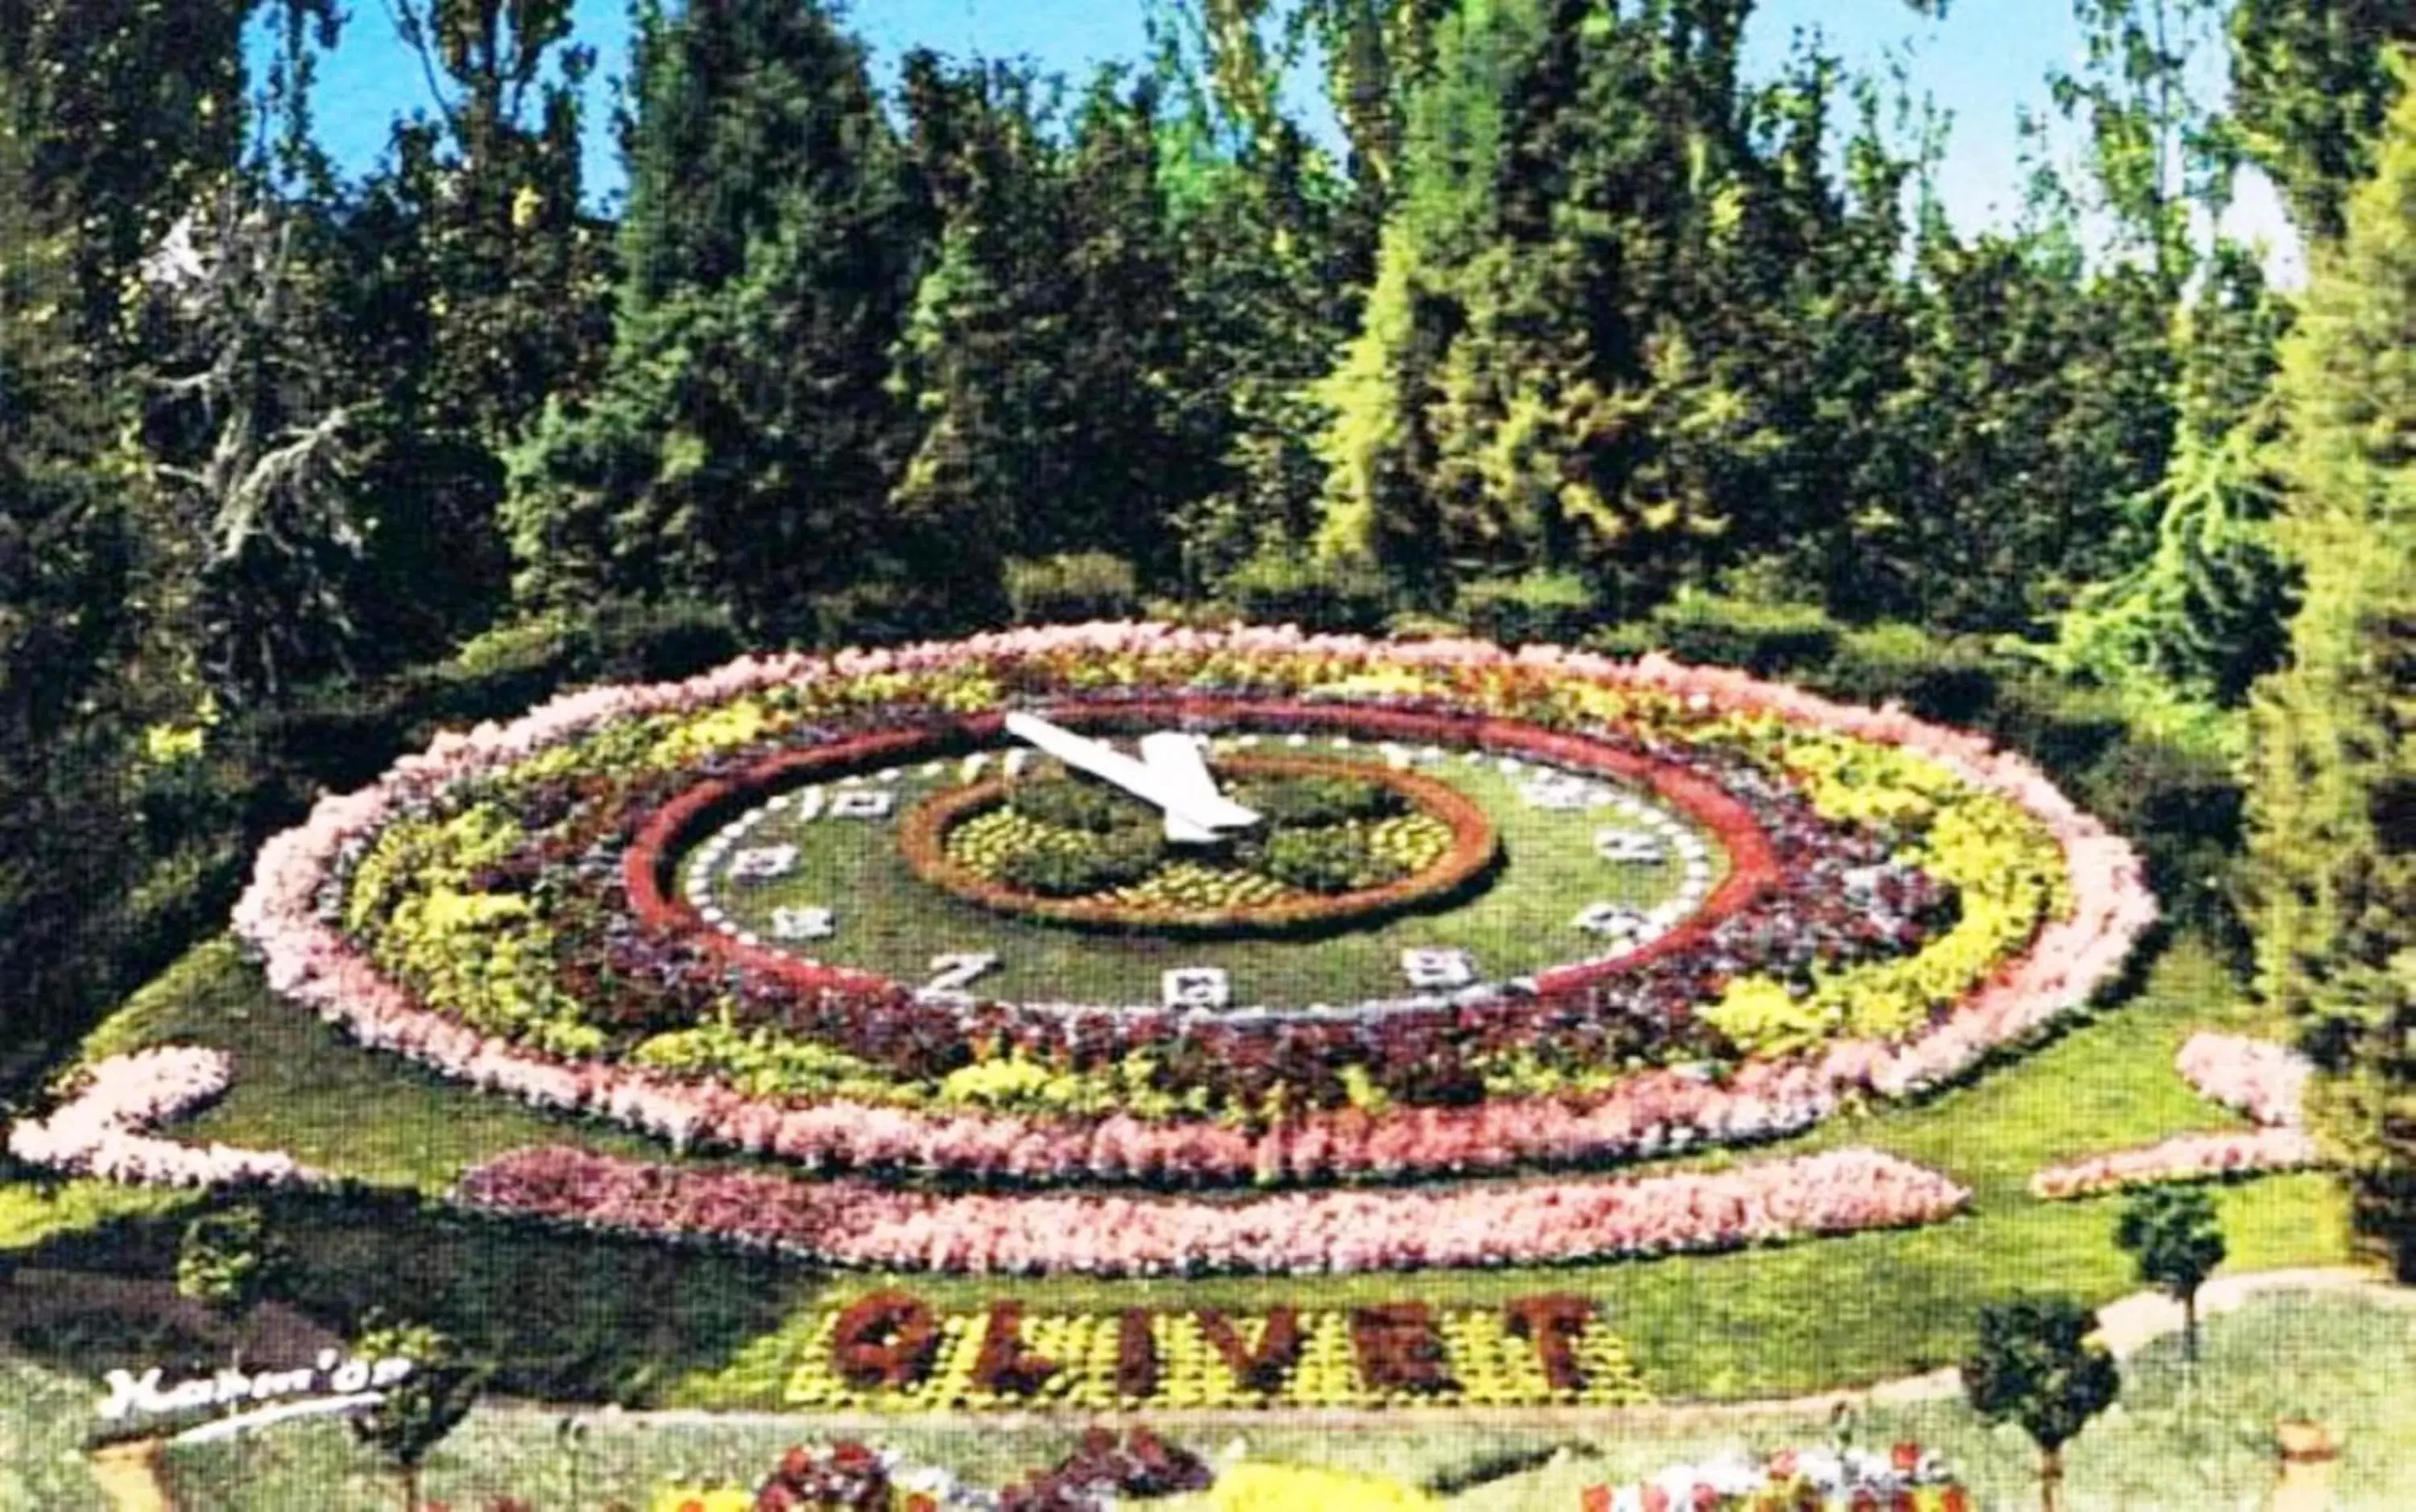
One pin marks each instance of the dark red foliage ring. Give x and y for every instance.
(1753, 864)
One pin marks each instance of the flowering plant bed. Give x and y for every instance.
(1441, 843)
(2263, 1080)
(858, 1223)
(96, 1130)
(890, 1351)
(362, 871)
(1906, 1478)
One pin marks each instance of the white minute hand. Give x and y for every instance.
(1169, 776)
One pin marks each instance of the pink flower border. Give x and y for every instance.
(2256, 1077)
(859, 1224)
(306, 960)
(96, 1131)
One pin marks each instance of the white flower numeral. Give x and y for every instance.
(802, 923)
(1631, 846)
(1197, 987)
(952, 973)
(863, 803)
(1559, 793)
(757, 862)
(1609, 919)
(1435, 968)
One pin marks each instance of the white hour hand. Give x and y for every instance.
(1171, 776)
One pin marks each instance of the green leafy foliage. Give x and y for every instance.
(1338, 859)
(739, 443)
(2311, 86)
(1303, 801)
(2333, 804)
(228, 1260)
(1071, 802)
(2034, 1366)
(417, 1411)
(2171, 1232)
(1072, 589)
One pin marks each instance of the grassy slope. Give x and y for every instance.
(1745, 1324)
(43, 1417)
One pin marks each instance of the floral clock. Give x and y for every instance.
(1133, 903)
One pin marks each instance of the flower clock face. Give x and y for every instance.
(1362, 877)
(1112, 917)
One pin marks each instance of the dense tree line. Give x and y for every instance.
(1582, 326)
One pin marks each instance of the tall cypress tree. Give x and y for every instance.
(741, 443)
(2333, 806)
(1545, 376)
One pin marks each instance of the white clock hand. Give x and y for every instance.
(1171, 777)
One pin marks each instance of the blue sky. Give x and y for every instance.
(1984, 63)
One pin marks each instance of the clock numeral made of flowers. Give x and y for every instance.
(804, 923)
(863, 803)
(953, 972)
(1562, 792)
(1629, 846)
(1612, 921)
(1435, 967)
(758, 864)
(1197, 987)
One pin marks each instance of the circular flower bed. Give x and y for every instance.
(1902, 902)
(1337, 857)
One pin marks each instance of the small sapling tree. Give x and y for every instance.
(419, 1409)
(2171, 1235)
(2034, 1366)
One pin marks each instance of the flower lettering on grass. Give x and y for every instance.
(890, 1352)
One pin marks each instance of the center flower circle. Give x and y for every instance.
(1337, 842)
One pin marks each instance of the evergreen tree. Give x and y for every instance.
(2334, 803)
(1556, 365)
(1044, 346)
(2035, 1365)
(479, 287)
(69, 570)
(741, 442)
(2310, 89)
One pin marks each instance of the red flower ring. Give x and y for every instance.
(1754, 866)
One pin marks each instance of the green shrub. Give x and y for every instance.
(1283, 587)
(1936, 677)
(1767, 640)
(1555, 607)
(1076, 803)
(1072, 589)
(1304, 802)
(1078, 871)
(1327, 861)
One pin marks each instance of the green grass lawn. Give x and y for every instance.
(44, 1415)
(1745, 1324)
(2179, 1441)
(890, 921)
